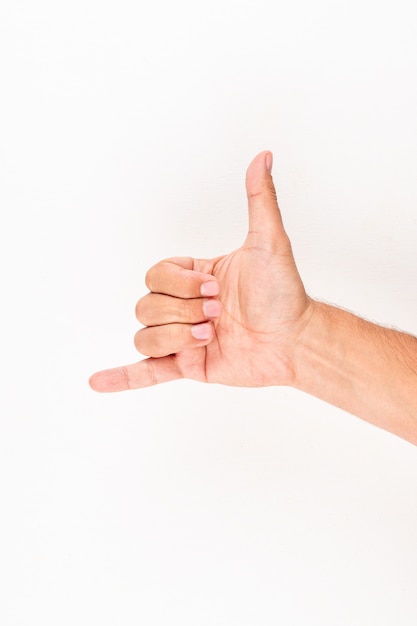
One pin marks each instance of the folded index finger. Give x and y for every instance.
(176, 277)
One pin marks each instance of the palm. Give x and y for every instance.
(264, 306)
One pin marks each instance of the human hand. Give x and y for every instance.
(243, 329)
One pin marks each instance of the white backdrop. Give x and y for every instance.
(125, 132)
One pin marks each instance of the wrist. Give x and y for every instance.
(310, 352)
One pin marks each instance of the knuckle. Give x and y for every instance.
(255, 194)
(140, 311)
(141, 343)
(145, 310)
(138, 341)
(150, 277)
(150, 342)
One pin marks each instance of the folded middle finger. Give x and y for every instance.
(156, 309)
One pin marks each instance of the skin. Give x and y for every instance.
(257, 326)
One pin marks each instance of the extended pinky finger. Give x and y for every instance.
(143, 374)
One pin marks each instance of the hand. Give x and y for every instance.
(234, 319)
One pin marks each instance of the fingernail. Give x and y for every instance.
(212, 308)
(268, 162)
(211, 288)
(201, 331)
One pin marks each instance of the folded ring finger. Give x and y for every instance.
(158, 341)
(156, 309)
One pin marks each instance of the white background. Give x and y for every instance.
(126, 130)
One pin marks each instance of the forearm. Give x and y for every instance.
(360, 367)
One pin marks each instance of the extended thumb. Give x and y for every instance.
(265, 223)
